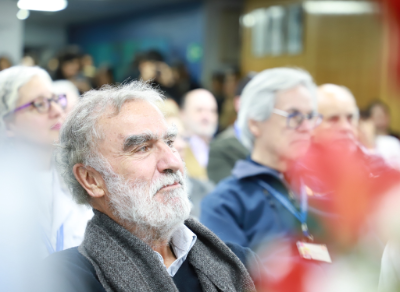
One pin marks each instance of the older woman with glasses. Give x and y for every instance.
(256, 203)
(30, 120)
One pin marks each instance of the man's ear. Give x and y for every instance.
(254, 127)
(90, 179)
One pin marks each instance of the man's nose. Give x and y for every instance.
(306, 126)
(167, 160)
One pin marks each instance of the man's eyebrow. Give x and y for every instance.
(171, 133)
(296, 110)
(135, 140)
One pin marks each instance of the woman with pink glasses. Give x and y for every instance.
(30, 120)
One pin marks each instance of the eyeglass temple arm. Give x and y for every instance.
(280, 112)
(21, 107)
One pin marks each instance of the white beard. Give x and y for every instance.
(153, 216)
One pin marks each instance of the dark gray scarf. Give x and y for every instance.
(124, 263)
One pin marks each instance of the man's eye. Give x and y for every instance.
(143, 149)
(170, 143)
(297, 117)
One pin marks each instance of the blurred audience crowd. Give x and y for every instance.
(292, 173)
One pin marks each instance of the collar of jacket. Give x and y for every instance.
(249, 168)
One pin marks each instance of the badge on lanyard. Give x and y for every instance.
(307, 250)
(313, 251)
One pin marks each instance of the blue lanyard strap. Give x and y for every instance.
(59, 242)
(302, 215)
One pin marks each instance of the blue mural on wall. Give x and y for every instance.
(176, 31)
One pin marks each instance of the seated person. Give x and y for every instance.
(276, 117)
(226, 148)
(200, 119)
(338, 168)
(117, 154)
(31, 115)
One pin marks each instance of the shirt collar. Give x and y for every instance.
(200, 149)
(182, 242)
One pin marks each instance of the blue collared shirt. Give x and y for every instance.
(182, 242)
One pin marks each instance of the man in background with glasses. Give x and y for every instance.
(256, 203)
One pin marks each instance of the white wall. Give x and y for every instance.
(11, 31)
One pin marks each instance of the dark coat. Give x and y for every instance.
(225, 150)
(239, 210)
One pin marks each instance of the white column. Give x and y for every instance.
(11, 31)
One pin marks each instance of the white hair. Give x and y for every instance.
(63, 86)
(80, 133)
(258, 98)
(11, 80)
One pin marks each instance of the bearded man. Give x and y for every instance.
(117, 155)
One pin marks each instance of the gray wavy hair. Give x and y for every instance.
(258, 98)
(80, 133)
(11, 80)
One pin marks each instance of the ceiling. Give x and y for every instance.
(80, 11)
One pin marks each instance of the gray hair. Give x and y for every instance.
(80, 133)
(258, 97)
(11, 80)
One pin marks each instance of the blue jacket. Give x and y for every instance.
(240, 211)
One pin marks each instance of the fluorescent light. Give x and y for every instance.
(42, 5)
(23, 14)
(248, 20)
(340, 7)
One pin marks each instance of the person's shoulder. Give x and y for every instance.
(229, 193)
(226, 134)
(387, 140)
(223, 137)
(69, 259)
(245, 254)
(72, 271)
(227, 185)
(233, 184)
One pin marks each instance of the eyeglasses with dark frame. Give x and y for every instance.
(43, 105)
(296, 119)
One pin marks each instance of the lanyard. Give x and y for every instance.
(302, 215)
(59, 242)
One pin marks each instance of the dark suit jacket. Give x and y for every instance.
(225, 150)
